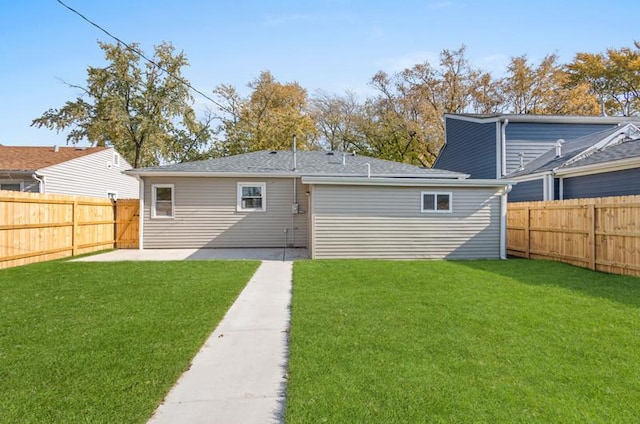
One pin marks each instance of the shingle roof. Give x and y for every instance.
(29, 158)
(307, 163)
(572, 149)
(628, 149)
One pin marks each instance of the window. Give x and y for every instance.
(436, 202)
(252, 197)
(162, 201)
(11, 186)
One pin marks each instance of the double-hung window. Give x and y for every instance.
(252, 197)
(436, 202)
(162, 201)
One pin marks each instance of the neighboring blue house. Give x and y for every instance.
(606, 163)
(492, 146)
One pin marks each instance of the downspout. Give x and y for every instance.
(503, 148)
(141, 214)
(503, 221)
(294, 211)
(41, 188)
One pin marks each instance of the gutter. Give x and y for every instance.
(40, 179)
(435, 175)
(503, 221)
(406, 182)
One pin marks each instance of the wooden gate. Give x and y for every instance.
(127, 223)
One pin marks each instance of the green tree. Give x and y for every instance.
(143, 110)
(267, 119)
(543, 89)
(614, 77)
(337, 119)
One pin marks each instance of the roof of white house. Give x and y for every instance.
(32, 158)
(303, 163)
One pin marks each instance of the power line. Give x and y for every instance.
(139, 53)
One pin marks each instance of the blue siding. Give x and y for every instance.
(470, 148)
(527, 191)
(617, 183)
(551, 132)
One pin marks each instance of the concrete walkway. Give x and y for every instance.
(239, 375)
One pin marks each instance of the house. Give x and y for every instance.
(492, 146)
(336, 205)
(86, 171)
(605, 163)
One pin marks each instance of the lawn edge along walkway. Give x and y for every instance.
(239, 375)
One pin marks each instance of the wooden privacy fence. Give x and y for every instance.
(602, 234)
(39, 227)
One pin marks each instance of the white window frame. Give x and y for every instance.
(153, 201)
(263, 187)
(20, 182)
(435, 201)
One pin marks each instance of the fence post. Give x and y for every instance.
(74, 238)
(592, 236)
(527, 232)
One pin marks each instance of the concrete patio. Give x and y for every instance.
(263, 254)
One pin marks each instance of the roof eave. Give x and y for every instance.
(290, 174)
(597, 168)
(546, 118)
(409, 182)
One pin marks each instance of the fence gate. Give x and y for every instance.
(127, 223)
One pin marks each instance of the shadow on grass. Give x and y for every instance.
(617, 288)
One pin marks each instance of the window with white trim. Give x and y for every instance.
(162, 201)
(436, 201)
(252, 197)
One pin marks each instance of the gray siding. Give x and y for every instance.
(534, 139)
(527, 191)
(545, 131)
(386, 222)
(530, 149)
(470, 148)
(91, 175)
(617, 183)
(206, 216)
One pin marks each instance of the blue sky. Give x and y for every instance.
(330, 45)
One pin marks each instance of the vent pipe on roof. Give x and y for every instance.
(295, 153)
(603, 112)
(521, 156)
(56, 148)
(344, 159)
(559, 147)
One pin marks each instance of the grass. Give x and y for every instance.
(104, 342)
(459, 342)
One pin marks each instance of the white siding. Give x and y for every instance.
(386, 222)
(206, 216)
(531, 150)
(91, 175)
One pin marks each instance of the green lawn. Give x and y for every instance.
(104, 342)
(462, 342)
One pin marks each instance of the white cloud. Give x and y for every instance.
(400, 63)
(282, 19)
(440, 5)
(496, 64)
